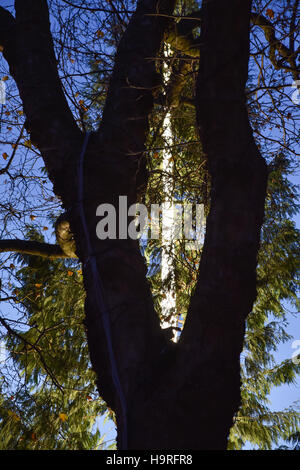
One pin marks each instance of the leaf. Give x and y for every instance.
(38, 285)
(70, 273)
(45, 228)
(27, 143)
(82, 105)
(70, 58)
(63, 417)
(4, 155)
(99, 33)
(270, 13)
(14, 415)
(32, 217)
(1, 48)
(4, 79)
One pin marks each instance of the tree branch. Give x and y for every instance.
(114, 166)
(213, 335)
(45, 250)
(176, 84)
(134, 78)
(27, 343)
(29, 51)
(292, 25)
(180, 34)
(6, 168)
(289, 55)
(7, 23)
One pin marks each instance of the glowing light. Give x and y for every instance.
(168, 303)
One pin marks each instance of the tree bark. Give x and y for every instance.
(113, 166)
(197, 393)
(45, 250)
(180, 396)
(226, 287)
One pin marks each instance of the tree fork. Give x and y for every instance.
(197, 386)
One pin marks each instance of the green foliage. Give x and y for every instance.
(48, 396)
(278, 283)
(190, 184)
(294, 441)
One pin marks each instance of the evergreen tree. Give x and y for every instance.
(48, 396)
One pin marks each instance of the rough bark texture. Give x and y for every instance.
(178, 396)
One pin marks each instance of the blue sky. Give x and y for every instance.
(282, 397)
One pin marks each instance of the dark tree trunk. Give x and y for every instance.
(190, 401)
(180, 396)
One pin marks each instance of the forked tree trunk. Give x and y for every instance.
(166, 396)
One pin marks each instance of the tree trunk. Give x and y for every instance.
(226, 286)
(191, 402)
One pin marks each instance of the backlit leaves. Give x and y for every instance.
(270, 13)
(63, 417)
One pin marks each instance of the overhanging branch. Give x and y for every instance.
(28, 48)
(275, 45)
(180, 34)
(45, 250)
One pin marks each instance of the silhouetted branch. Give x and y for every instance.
(45, 250)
